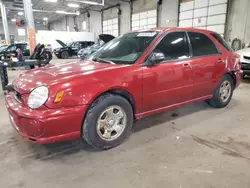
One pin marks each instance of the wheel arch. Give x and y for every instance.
(232, 74)
(121, 92)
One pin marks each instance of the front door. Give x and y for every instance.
(206, 56)
(75, 48)
(168, 82)
(10, 52)
(25, 49)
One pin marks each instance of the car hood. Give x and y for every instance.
(55, 74)
(61, 48)
(244, 52)
(61, 43)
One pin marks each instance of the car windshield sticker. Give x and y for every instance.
(147, 34)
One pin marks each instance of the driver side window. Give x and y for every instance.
(173, 46)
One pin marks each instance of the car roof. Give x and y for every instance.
(84, 41)
(164, 29)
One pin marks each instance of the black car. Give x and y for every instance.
(2, 48)
(12, 50)
(71, 49)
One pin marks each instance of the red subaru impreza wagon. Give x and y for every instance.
(131, 77)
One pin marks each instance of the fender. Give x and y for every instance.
(84, 90)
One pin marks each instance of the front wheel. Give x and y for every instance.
(108, 122)
(64, 55)
(223, 92)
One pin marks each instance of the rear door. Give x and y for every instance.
(206, 55)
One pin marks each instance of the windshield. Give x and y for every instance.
(69, 44)
(98, 44)
(125, 49)
(3, 48)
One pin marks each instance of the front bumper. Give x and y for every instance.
(57, 53)
(44, 125)
(245, 67)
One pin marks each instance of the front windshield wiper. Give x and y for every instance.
(102, 60)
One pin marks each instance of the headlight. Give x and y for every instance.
(38, 97)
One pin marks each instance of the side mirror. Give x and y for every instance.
(156, 58)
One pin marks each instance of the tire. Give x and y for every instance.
(217, 101)
(64, 55)
(90, 129)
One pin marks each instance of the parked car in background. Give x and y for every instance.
(245, 61)
(103, 39)
(71, 49)
(3, 47)
(12, 50)
(133, 76)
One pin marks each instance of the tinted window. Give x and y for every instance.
(174, 46)
(83, 45)
(22, 46)
(222, 41)
(202, 44)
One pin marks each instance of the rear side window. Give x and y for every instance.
(221, 41)
(22, 47)
(202, 45)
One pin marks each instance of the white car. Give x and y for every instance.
(245, 60)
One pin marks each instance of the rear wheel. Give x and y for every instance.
(108, 122)
(65, 55)
(223, 92)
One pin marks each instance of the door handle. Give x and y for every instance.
(220, 61)
(186, 66)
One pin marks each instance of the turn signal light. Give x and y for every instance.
(59, 97)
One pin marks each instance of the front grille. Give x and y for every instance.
(246, 57)
(17, 96)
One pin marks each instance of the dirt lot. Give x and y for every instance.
(194, 146)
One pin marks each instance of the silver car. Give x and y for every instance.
(245, 60)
